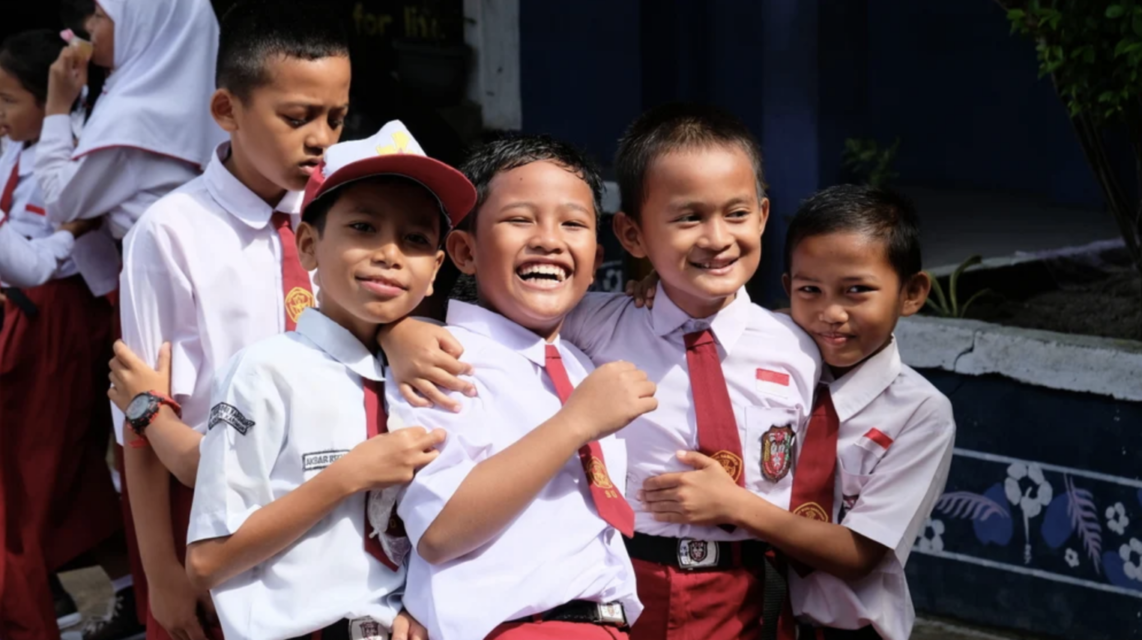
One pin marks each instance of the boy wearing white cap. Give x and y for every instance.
(278, 530)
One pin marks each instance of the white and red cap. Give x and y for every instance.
(392, 151)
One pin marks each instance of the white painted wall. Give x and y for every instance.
(491, 28)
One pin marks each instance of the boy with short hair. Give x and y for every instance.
(279, 531)
(213, 267)
(736, 381)
(516, 525)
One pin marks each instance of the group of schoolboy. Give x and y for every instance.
(682, 464)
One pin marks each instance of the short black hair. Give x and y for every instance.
(28, 56)
(671, 127)
(318, 211)
(253, 31)
(514, 150)
(877, 212)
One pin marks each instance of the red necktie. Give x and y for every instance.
(10, 188)
(814, 477)
(717, 427)
(376, 423)
(295, 279)
(611, 505)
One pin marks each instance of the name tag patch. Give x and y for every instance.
(320, 459)
(229, 414)
(774, 383)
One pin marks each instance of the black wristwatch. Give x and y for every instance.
(144, 407)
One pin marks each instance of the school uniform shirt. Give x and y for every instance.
(894, 449)
(557, 549)
(770, 365)
(32, 250)
(120, 182)
(202, 269)
(283, 410)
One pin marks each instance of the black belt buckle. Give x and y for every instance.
(697, 554)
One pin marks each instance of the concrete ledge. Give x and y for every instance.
(1086, 364)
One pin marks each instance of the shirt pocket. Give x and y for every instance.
(769, 441)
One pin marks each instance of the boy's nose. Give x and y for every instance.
(322, 137)
(834, 314)
(715, 235)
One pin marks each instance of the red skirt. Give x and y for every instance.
(57, 490)
(555, 630)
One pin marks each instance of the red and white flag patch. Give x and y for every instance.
(874, 439)
(774, 383)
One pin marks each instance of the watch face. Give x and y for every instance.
(138, 407)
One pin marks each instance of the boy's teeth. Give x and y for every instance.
(546, 270)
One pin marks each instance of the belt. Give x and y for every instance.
(346, 629)
(611, 613)
(22, 302)
(690, 554)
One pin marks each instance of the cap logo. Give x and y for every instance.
(400, 140)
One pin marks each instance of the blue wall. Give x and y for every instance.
(949, 79)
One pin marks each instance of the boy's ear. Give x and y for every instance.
(223, 105)
(629, 234)
(461, 247)
(307, 236)
(916, 293)
(787, 284)
(764, 213)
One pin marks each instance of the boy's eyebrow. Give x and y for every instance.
(531, 205)
(699, 204)
(308, 105)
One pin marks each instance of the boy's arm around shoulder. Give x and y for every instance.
(236, 523)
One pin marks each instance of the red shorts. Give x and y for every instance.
(58, 496)
(556, 630)
(698, 605)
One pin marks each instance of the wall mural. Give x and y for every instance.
(1057, 523)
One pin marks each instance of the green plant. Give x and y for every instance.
(865, 158)
(1092, 51)
(948, 306)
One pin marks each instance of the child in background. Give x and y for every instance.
(279, 529)
(213, 268)
(57, 333)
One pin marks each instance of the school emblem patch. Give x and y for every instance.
(812, 511)
(297, 300)
(730, 462)
(597, 471)
(223, 413)
(777, 452)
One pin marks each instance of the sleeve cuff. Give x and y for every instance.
(57, 128)
(873, 530)
(426, 497)
(216, 524)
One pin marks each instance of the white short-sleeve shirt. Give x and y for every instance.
(771, 368)
(283, 410)
(46, 251)
(202, 269)
(894, 449)
(558, 549)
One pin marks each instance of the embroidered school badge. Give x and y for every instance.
(812, 511)
(223, 413)
(730, 462)
(777, 452)
(598, 472)
(297, 301)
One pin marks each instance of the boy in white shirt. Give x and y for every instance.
(279, 531)
(880, 458)
(213, 267)
(516, 525)
(735, 381)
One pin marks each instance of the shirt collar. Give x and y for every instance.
(854, 391)
(26, 158)
(728, 324)
(500, 329)
(237, 199)
(341, 345)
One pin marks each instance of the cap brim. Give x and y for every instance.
(456, 194)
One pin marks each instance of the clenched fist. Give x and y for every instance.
(610, 398)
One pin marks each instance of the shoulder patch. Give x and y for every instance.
(229, 414)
